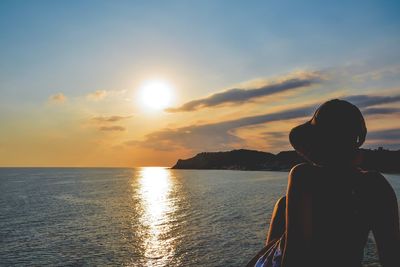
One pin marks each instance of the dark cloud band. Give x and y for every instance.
(237, 95)
(363, 101)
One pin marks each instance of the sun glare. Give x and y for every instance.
(155, 95)
(156, 184)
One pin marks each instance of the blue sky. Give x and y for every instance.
(202, 47)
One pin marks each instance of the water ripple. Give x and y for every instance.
(138, 217)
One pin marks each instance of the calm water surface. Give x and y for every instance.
(138, 217)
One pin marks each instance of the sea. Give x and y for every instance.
(150, 216)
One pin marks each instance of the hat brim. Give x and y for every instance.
(305, 140)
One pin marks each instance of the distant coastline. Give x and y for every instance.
(382, 160)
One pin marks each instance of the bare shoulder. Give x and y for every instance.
(302, 169)
(378, 184)
(374, 178)
(302, 173)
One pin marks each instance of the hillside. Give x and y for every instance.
(380, 160)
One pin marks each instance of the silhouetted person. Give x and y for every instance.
(331, 205)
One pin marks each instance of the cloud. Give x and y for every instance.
(363, 101)
(378, 74)
(114, 118)
(388, 138)
(58, 98)
(274, 135)
(277, 141)
(221, 135)
(112, 128)
(380, 111)
(103, 123)
(387, 135)
(97, 95)
(240, 95)
(213, 136)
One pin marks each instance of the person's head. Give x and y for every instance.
(333, 135)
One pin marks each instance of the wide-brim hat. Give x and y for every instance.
(337, 129)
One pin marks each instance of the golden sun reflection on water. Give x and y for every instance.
(155, 187)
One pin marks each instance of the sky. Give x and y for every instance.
(236, 74)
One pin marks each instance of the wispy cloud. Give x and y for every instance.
(387, 134)
(112, 128)
(378, 73)
(216, 135)
(387, 138)
(58, 98)
(106, 119)
(97, 95)
(380, 111)
(363, 101)
(221, 135)
(276, 141)
(241, 95)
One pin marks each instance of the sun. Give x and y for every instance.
(155, 94)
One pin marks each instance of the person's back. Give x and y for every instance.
(343, 205)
